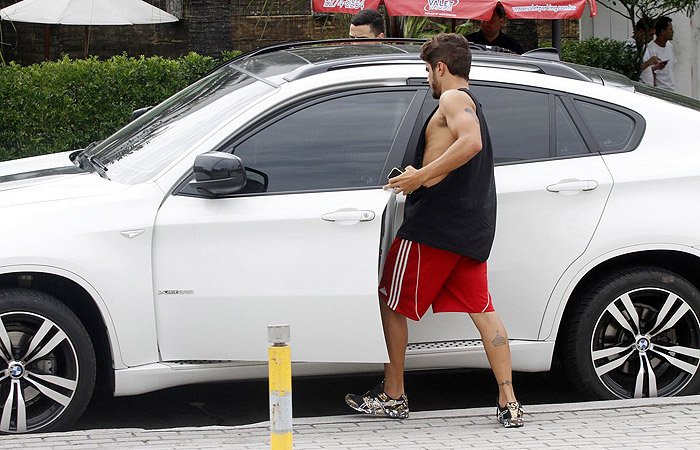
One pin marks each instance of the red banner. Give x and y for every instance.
(465, 9)
(344, 6)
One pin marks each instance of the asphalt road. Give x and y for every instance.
(247, 402)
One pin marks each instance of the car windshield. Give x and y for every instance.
(149, 144)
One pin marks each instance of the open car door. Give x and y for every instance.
(299, 245)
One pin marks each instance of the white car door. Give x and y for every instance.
(298, 245)
(551, 194)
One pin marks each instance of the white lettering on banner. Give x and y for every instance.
(440, 5)
(347, 4)
(544, 8)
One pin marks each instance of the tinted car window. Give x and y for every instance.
(568, 140)
(339, 143)
(518, 122)
(611, 129)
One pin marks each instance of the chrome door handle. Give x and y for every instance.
(573, 186)
(349, 216)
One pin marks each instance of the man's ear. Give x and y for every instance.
(441, 68)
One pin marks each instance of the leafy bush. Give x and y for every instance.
(603, 53)
(64, 105)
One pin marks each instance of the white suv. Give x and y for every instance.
(159, 256)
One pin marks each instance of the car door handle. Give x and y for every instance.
(349, 216)
(573, 186)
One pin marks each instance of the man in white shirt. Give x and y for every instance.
(662, 48)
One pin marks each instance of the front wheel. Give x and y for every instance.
(47, 363)
(635, 334)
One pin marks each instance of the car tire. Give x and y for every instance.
(48, 374)
(635, 334)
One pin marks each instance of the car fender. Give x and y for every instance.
(575, 273)
(89, 288)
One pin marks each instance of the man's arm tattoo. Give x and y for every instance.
(498, 340)
(471, 113)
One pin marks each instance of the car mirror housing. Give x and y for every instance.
(218, 173)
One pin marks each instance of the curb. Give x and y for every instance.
(471, 412)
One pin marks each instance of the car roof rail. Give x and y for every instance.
(541, 59)
(297, 44)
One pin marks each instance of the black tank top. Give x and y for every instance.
(459, 213)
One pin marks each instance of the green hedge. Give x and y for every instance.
(64, 105)
(603, 53)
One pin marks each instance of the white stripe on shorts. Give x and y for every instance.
(488, 302)
(392, 285)
(399, 270)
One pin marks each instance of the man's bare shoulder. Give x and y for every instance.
(454, 99)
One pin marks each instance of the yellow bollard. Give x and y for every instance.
(280, 372)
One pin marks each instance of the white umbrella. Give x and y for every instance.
(85, 12)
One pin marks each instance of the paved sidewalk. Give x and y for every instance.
(663, 423)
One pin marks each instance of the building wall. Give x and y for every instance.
(685, 43)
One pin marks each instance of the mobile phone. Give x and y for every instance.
(395, 172)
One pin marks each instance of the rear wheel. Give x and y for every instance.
(635, 334)
(47, 363)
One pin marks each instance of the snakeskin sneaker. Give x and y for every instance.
(511, 415)
(376, 402)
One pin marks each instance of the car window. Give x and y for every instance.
(611, 129)
(518, 121)
(568, 140)
(338, 143)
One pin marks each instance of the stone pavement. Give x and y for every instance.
(661, 423)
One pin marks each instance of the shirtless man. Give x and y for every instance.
(439, 256)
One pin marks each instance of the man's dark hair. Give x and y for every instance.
(500, 10)
(640, 26)
(661, 24)
(452, 50)
(369, 17)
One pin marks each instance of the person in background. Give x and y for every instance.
(662, 48)
(367, 23)
(490, 32)
(640, 39)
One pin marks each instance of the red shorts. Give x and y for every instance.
(417, 276)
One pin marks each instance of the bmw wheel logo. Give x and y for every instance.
(16, 370)
(643, 344)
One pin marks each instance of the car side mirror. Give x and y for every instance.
(218, 173)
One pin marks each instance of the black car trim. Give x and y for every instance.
(67, 170)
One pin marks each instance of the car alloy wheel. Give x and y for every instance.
(650, 336)
(636, 334)
(47, 368)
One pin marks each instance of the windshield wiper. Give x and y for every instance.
(99, 166)
(91, 162)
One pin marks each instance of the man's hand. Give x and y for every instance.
(407, 182)
(651, 62)
(659, 65)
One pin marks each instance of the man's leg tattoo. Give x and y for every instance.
(498, 340)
